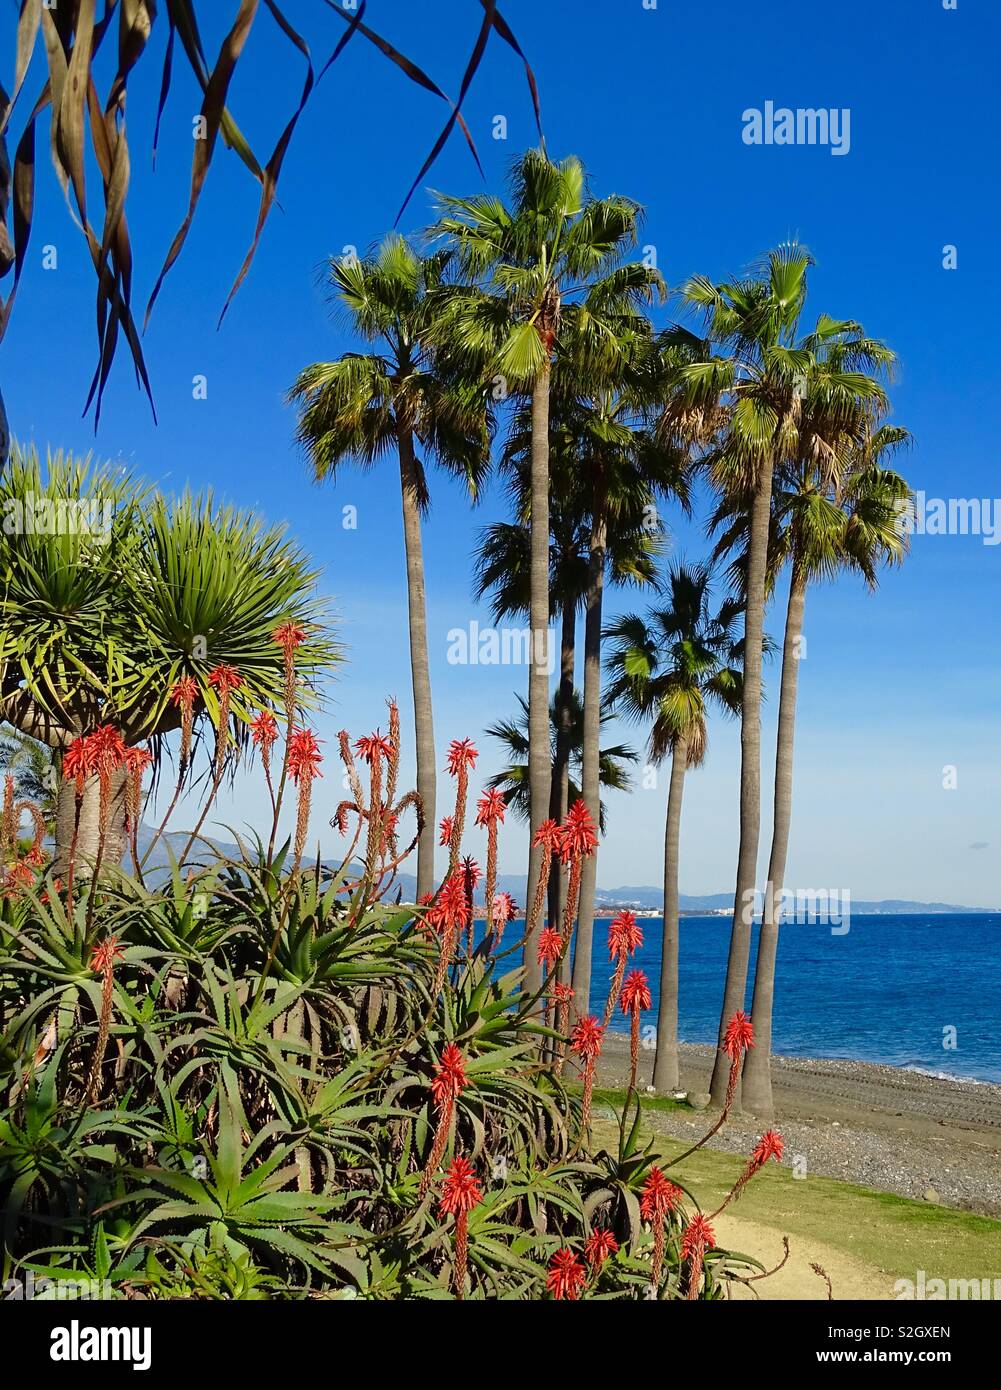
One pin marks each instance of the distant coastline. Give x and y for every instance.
(646, 899)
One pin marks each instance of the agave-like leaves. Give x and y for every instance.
(72, 37)
(267, 1109)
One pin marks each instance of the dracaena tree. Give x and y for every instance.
(73, 66)
(543, 271)
(113, 597)
(399, 399)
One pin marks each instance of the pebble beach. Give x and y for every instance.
(894, 1130)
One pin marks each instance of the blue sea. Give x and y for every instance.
(889, 990)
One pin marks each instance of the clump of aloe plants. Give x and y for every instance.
(268, 1077)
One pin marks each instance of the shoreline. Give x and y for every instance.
(616, 1030)
(889, 1128)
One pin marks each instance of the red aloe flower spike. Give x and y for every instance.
(137, 760)
(304, 758)
(550, 946)
(586, 1041)
(375, 749)
(462, 756)
(739, 1036)
(460, 1192)
(770, 1145)
(624, 937)
(578, 837)
(578, 841)
(184, 693)
(549, 952)
(658, 1197)
(447, 915)
(289, 637)
(264, 734)
(103, 958)
(697, 1237)
(35, 856)
(8, 828)
(562, 995)
(504, 909)
(547, 837)
(79, 763)
(491, 807)
(490, 810)
(446, 1084)
(566, 1277)
(108, 749)
(18, 876)
(599, 1245)
(445, 826)
(264, 731)
(471, 875)
(224, 680)
(373, 746)
(635, 997)
(393, 756)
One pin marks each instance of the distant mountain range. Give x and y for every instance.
(642, 897)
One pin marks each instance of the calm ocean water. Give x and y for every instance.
(884, 992)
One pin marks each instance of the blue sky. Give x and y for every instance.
(895, 687)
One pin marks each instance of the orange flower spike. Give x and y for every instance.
(460, 1193)
(462, 756)
(184, 694)
(304, 759)
(448, 1081)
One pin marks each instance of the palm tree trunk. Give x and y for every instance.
(419, 669)
(540, 758)
(757, 1075)
(665, 1067)
(590, 778)
(750, 774)
(560, 792)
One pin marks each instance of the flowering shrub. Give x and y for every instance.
(263, 1079)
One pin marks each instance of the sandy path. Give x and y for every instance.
(882, 1127)
(850, 1278)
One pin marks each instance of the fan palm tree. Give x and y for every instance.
(667, 668)
(361, 407)
(846, 517)
(32, 768)
(504, 559)
(502, 565)
(751, 365)
(118, 595)
(514, 779)
(552, 259)
(622, 470)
